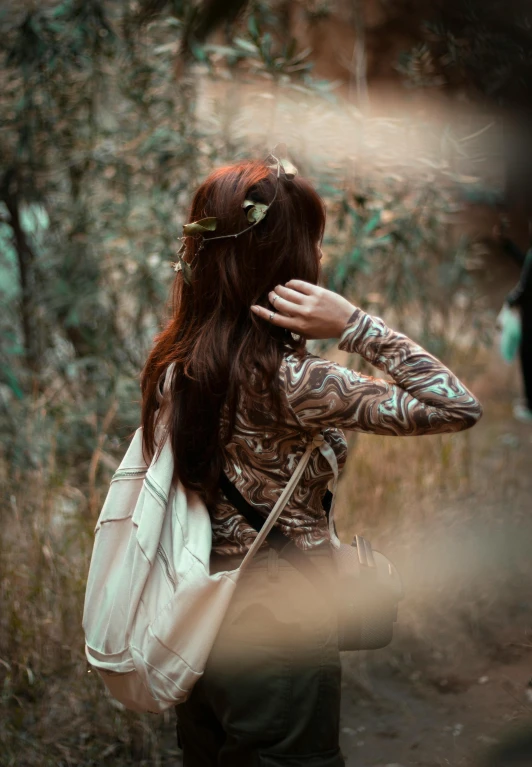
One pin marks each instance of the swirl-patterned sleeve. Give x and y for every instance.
(423, 397)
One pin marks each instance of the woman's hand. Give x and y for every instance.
(307, 310)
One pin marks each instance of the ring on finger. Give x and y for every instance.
(271, 316)
(274, 299)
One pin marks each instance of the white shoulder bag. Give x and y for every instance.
(152, 610)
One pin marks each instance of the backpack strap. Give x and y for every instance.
(265, 527)
(316, 441)
(276, 538)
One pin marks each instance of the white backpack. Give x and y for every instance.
(152, 610)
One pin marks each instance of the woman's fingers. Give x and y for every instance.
(307, 310)
(294, 296)
(290, 305)
(303, 287)
(274, 317)
(281, 305)
(289, 302)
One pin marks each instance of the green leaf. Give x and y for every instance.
(355, 217)
(372, 224)
(340, 274)
(379, 241)
(13, 384)
(356, 257)
(245, 45)
(255, 211)
(198, 51)
(203, 225)
(266, 47)
(252, 27)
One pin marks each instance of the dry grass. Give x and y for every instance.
(54, 712)
(452, 511)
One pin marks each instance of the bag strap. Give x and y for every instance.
(278, 540)
(276, 537)
(316, 441)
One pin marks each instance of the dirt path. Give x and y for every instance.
(411, 722)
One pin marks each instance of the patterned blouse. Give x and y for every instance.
(424, 397)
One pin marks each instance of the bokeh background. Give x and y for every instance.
(413, 119)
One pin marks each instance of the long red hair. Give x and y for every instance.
(212, 336)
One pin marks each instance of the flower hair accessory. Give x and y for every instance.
(255, 212)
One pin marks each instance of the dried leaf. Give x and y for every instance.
(187, 272)
(203, 225)
(181, 266)
(280, 155)
(289, 169)
(255, 211)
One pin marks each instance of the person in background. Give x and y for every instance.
(519, 299)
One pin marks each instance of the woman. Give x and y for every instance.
(247, 398)
(519, 299)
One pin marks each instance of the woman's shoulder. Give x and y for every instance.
(305, 369)
(297, 360)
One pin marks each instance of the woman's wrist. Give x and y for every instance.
(354, 329)
(349, 312)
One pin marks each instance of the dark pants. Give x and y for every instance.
(525, 354)
(270, 695)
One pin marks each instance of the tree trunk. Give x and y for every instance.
(358, 61)
(26, 264)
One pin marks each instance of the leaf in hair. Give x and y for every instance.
(255, 211)
(181, 265)
(280, 155)
(289, 169)
(203, 225)
(186, 271)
